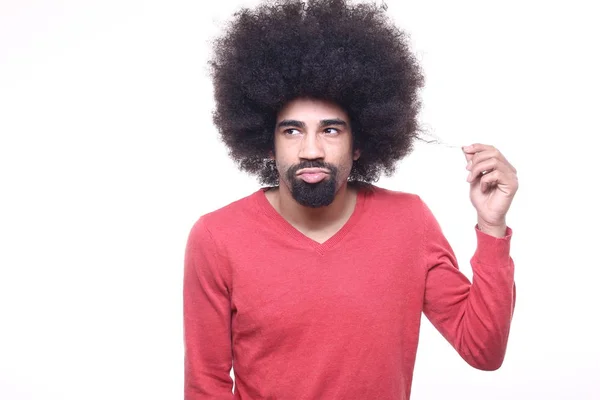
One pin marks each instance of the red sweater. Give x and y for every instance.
(300, 320)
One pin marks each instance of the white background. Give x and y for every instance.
(108, 155)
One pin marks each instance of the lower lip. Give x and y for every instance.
(313, 177)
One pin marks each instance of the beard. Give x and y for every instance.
(314, 195)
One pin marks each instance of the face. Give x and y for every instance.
(313, 150)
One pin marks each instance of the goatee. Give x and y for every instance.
(314, 195)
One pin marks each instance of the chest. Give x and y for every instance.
(295, 290)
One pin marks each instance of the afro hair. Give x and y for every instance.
(351, 55)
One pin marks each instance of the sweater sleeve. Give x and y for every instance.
(474, 317)
(207, 320)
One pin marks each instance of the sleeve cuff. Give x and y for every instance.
(492, 250)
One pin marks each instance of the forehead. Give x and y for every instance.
(306, 109)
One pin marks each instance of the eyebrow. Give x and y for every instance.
(299, 124)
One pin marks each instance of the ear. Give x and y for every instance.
(271, 155)
(356, 154)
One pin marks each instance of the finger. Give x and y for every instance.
(472, 150)
(476, 148)
(478, 152)
(485, 167)
(489, 154)
(468, 157)
(489, 151)
(506, 181)
(490, 180)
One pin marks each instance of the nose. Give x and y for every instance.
(311, 147)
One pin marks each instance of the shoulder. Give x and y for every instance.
(400, 214)
(225, 218)
(394, 198)
(406, 206)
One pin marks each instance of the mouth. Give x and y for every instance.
(312, 175)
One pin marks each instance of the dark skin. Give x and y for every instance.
(314, 130)
(268, 56)
(309, 129)
(493, 183)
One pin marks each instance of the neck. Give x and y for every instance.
(314, 219)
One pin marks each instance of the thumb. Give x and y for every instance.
(468, 156)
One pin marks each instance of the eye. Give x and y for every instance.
(331, 131)
(291, 131)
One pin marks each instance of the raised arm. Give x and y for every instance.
(207, 319)
(475, 318)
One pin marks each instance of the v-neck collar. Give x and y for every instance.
(321, 248)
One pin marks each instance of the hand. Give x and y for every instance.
(493, 186)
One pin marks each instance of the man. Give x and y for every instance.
(313, 286)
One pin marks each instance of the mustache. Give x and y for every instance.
(312, 164)
(291, 172)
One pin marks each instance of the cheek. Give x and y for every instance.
(348, 166)
(282, 165)
(283, 154)
(344, 165)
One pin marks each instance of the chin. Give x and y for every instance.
(314, 195)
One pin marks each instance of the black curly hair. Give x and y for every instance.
(351, 55)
